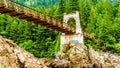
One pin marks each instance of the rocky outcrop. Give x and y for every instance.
(76, 55)
(12, 56)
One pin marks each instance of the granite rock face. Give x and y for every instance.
(12, 56)
(74, 55)
(77, 55)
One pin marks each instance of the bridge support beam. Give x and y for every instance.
(78, 36)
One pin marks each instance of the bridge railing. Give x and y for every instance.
(35, 14)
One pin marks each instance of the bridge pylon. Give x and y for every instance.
(78, 36)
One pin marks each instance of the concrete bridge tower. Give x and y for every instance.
(78, 36)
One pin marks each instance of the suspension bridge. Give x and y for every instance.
(22, 12)
(68, 33)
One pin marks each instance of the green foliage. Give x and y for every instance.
(61, 8)
(33, 38)
(37, 3)
(74, 4)
(71, 22)
(100, 18)
(0, 65)
(113, 48)
(57, 44)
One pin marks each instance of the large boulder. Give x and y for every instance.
(12, 56)
(79, 56)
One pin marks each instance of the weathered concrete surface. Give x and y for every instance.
(77, 55)
(77, 36)
(11, 56)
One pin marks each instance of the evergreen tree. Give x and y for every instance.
(61, 9)
(74, 4)
(94, 2)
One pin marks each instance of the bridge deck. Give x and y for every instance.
(21, 12)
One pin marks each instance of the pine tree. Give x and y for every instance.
(94, 2)
(61, 7)
(74, 4)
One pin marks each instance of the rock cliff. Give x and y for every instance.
(76, 55)
(12, 56)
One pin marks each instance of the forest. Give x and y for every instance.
(37, 3)
(99, 18)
